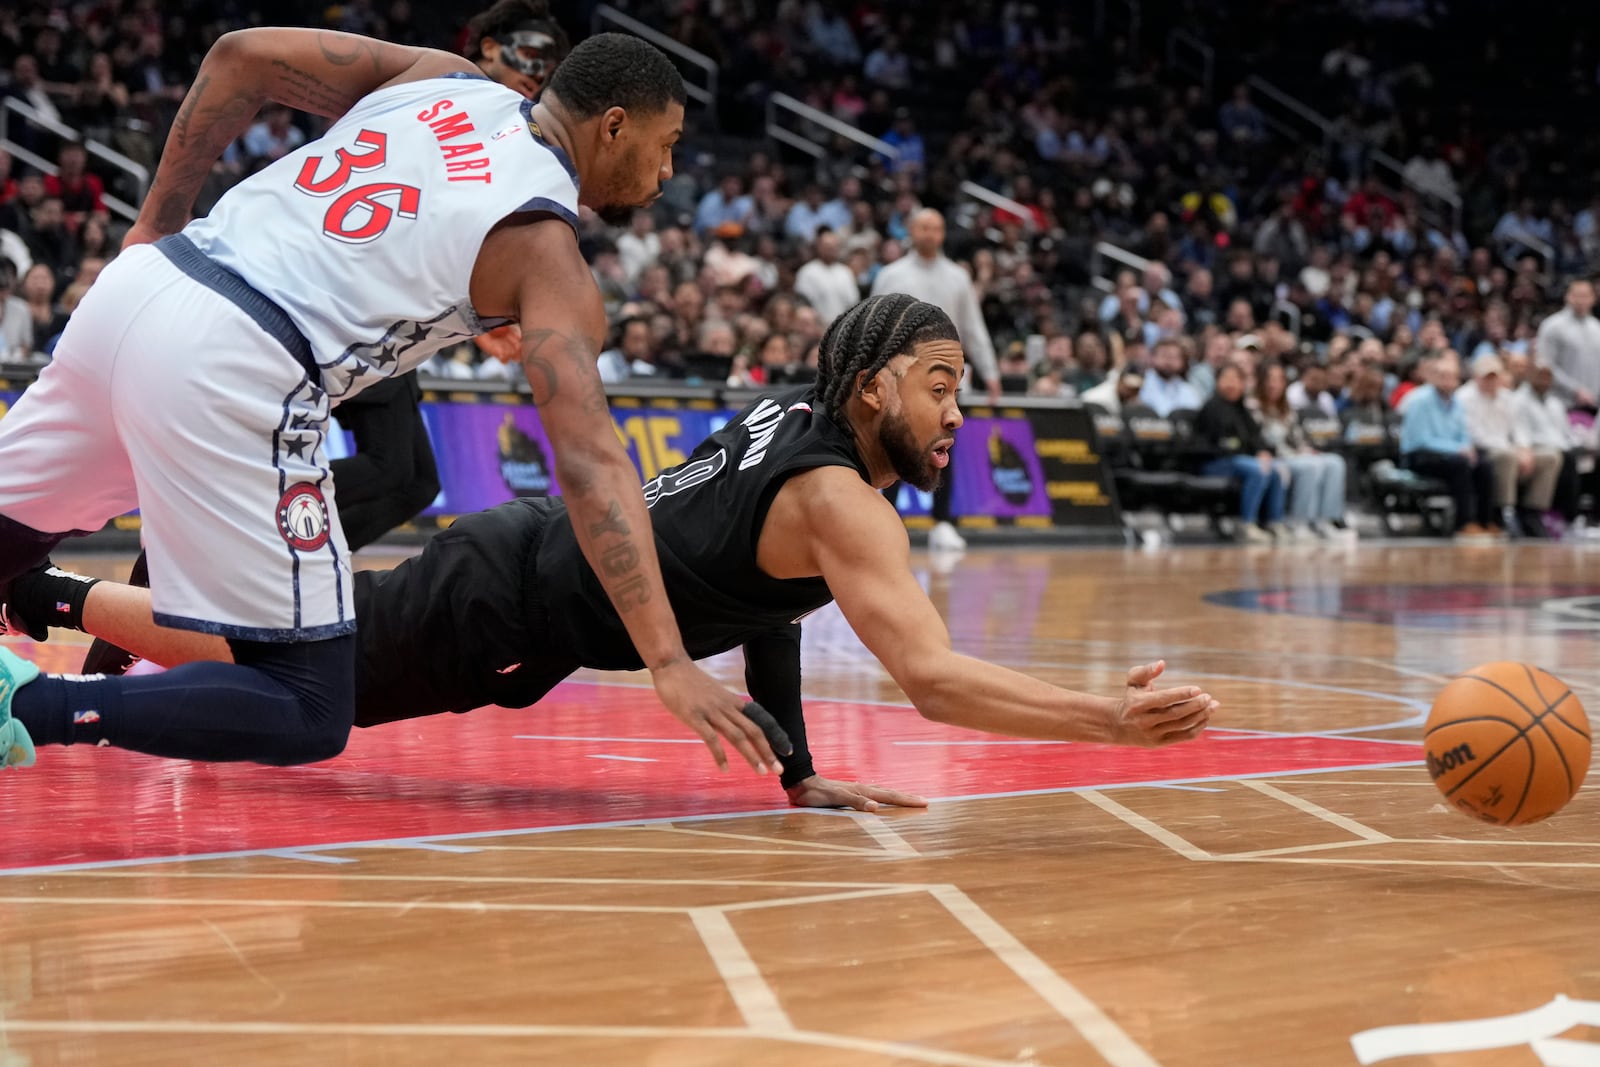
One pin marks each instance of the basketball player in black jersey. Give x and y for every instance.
(771, 517)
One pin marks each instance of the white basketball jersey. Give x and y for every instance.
(367, 236)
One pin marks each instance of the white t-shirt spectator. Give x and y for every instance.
(829, 287)
(1325, 402)
(1570, 347)
(1491, 422)
(940, 282)
(1430, 176)
(1542, 421)
(636, 253)
(16, 328)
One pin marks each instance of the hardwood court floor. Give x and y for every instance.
(574, 885)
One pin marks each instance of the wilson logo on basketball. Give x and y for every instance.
(1446, 762)
(303, 517)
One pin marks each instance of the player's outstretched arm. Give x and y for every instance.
(862, 550)
(321, 71)
(563, 325)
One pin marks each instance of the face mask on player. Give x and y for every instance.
(528, 52)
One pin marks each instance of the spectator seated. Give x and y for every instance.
(1153, 465)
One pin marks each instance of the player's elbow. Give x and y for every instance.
(583, 468)
(233, 45)
(932, 689)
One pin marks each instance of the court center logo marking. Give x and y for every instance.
(303, 517)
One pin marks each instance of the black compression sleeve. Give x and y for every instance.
(772, 675)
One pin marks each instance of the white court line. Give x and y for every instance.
(684, 850)
(755, 999)
(1317, 811)
(1475, 1035)
(1268, 735)
(893, 1050)
(1515, 864)
(887, 890)
(306, 857)
(612, 740)
(476, 836)
(878, 828)
(821, 846)
(426, 846)
(1151, 829)
(959, 744)
(506, 879)
(1561, 1052)
(474, 907)
(625, 759)
(1105, 1036)
(1290, 850)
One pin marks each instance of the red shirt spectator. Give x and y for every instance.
(81, 193)
(1361, 205)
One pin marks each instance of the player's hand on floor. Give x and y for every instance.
(820, 792)
(1152, 717)
(711, 711)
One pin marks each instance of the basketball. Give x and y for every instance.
(1507, 743)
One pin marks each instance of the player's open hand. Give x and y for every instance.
(820, 792)
(711, 711)
(1152, 717)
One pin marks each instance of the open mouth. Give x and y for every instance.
(941, 454)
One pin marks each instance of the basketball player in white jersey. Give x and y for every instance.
(392, 474)
(195, 380)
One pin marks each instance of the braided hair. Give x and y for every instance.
(868, 336)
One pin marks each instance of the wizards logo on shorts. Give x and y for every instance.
(303, 517)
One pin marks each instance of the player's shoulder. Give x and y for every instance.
(835, 497)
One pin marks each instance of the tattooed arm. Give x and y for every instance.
(563, 327)
(319, 71)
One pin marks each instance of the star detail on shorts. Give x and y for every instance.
(357, 370)
(303, 421)
(317, 393)
(384, 356)
(417, 335)
(296, 446)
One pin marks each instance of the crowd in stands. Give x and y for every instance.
(1326, 283)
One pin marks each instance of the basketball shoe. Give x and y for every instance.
(16, 747)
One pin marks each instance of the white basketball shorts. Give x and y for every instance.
(178, 389)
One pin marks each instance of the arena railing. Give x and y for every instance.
(605, 15)
(110, 156)
(1441, 209)
(782, 103)
(1004, 203)
(1132, 16)
(1104, 250)
(1192, 56)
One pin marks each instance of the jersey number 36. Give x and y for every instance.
(361, 214)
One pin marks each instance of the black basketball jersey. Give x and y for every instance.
(708, 513)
